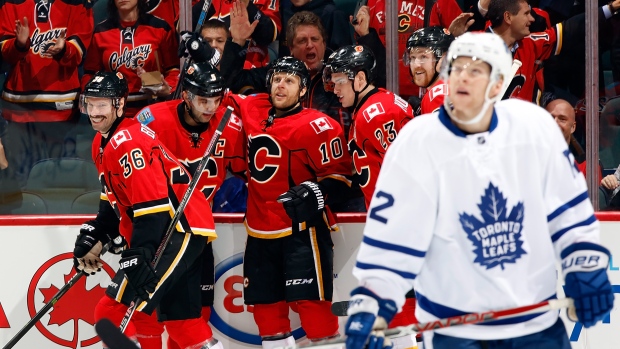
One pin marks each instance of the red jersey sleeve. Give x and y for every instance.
(10, 53)
(169, 60)
(93, 62)
(444, 12)
(78, 35)
(271, 9)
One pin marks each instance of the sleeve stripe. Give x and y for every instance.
(555, 237)
(574, 202)
(559, 38)
(392, 247)
(403, 274)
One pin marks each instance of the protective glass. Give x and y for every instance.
(96, 106)
(205, 105)
(473, 70)
(418, 55)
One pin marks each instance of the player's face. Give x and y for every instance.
(564, 116)
(467, 84)
(422, 63)
(299, 3)
(521, 22)
(284, 90)
(308, 46)
(126, 5)
(101, 113)
(343, 89)
(216, 37)
(202, 108)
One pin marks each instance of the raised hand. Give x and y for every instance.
(240, 28)
(363, 21)
(461, 23)
(22, 32)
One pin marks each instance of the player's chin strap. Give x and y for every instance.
(357, 93)
(488, 103)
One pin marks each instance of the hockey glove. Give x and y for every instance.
(119, 244)
(303, 202)
(194, 46)
(88, 247)
(136, 264)
(369, 316)
(584, 266)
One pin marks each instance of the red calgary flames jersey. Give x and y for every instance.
(375, 126)
(532, 51)
(305, 145)
(41, 89)
(410, 19)
(151, 45)
(189, 143)
(136, 171)
(434, 96)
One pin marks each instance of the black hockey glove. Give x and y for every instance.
(416, 105)
(119, 244)
(88, 247)
(303, 202)
(136, 263)
(194, 46)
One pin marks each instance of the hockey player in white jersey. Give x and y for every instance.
(474, 205)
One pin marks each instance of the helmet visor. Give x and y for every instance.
(96, 105)
(418, 55)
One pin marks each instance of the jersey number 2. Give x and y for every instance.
(374, 211)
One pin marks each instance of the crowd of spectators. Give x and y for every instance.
(51, 48)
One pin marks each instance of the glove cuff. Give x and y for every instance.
(365, 301)
(138, 251)
(318, 193)
(96, 230)
(584, 257)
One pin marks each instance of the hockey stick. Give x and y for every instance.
(50, 304)
(465, 319)
(177, 214)
(112, 336)
(201, 21)
(516, 64)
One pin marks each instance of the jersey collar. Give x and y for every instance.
(444, 118)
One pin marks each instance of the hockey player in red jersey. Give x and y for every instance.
(140, 190)
(378, 116)
(425, 50)
(134, 42)
(299, 152)
(411, 17)
(185, 128)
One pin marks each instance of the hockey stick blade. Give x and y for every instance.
(340, 308)
(112, 336)
(50, 304)
(466, 319)
(177, 213)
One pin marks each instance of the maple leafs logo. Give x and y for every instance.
(497, 238)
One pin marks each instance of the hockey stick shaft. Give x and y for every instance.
(472, 318)
(201, 21)
(516, 64)
(49, 304)
(177, 214)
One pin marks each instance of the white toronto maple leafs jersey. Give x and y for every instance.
(475, 222)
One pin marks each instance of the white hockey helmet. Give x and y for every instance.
(486, 47)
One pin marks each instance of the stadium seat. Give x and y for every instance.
(86, 203)
(60, 181)
(31, 204)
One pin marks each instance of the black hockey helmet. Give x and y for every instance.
(350, 60)
(106, 84)
(289, 65)
(436, 39)
(203, 79)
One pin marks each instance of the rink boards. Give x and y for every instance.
(35, 255)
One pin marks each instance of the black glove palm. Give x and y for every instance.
(193, 45)
(303, 202)
(136, 263)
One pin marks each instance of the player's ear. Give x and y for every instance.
(497, 87)
(121, 107)
(302, 92)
